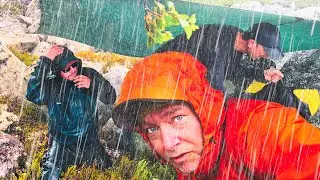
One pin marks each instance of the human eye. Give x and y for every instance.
(178, 118)
(151, 130)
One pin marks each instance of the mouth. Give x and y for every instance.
(72, 74)
(180, 158)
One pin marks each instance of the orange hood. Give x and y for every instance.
(167, 77)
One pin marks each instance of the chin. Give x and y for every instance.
(188, 167)
(70, 78)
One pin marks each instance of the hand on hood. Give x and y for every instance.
(54, 51)
(61, 56)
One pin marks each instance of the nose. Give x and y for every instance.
(73, 69)
(170, 137)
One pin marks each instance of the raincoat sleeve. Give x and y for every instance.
(280, 143)
(254, 69)
(40, 82)
(106, 93)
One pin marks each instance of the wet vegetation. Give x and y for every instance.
(123, 168)
(14, 8)
(107, 59)
(26, 57)
(32, 131)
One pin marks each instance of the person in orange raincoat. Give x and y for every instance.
(191, 126)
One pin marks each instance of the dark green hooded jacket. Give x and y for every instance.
(72, 111)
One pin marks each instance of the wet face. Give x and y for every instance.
(256, 50)
(70, 71)
(175, 134)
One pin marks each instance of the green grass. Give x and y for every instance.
(14, 8)
(124, 168)
(31, 130)
(27, 58)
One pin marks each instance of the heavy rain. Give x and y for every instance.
(157, 89)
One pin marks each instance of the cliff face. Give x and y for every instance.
(11, 73)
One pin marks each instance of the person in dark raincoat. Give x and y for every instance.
(191, 126)
(241, 57)
(70, 92)
(221, 47)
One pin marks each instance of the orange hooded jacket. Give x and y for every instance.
(242, 138)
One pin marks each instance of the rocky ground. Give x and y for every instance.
(19, 21)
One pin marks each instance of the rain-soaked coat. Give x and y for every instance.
(72, 111)
(213, 46)
(242, 138)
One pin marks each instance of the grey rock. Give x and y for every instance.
(109, 133)
(12, 25)
(115, 76)
(115, 141)
(11, 154)
(34, 26)
(6, 118)
(315, 120)
(72, 45)
(12, 75)
(282, 7)
(41, 49)
(3, 62)
(104, 113)
(33, 11)
(253, 5)
(25, 19)
(25, 2)
(4, 55)
(309, 13)
(302, 71)
(28, 46)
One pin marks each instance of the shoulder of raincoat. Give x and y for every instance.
(264, 140)
(40, 82)
(248, 71)
(210, 44)
(253, 69)
(100, 86)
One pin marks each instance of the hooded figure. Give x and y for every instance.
(72, 110)
(190, 125)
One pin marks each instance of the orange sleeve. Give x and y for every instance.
(281, 144)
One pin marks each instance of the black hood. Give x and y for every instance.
(67, 56)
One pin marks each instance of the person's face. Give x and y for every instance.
(256, 50)
(70, 71)
(175, 133)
